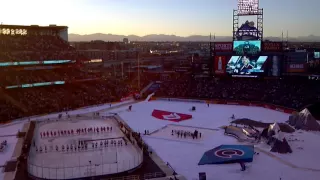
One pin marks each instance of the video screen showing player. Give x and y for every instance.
(246, 65)
(247, 47)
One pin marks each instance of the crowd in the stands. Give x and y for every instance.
(292, 93)
(79, 90)
(22, 102)
(35, 48)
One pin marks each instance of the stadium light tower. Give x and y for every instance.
(248, 30)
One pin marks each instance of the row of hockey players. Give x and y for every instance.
(83, 146)
(182, 133)
(77, 131)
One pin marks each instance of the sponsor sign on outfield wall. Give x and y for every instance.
(220, 63)
(272, 46)
(296, 68)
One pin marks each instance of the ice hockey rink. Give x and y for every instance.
(60, 156)
(183, 154)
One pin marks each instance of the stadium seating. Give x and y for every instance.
(292, 93)
(35, 48)
(80, 86)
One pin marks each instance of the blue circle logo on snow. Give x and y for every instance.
(228, 153)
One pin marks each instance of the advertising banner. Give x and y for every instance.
(220, 63)
(223, 47)
(272, 46)
(296, 68)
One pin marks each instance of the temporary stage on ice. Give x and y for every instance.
(225, 154)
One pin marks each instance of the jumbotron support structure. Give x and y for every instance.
(248, 31)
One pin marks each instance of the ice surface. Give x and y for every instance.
(73, 164)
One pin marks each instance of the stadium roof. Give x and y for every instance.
(55, 27)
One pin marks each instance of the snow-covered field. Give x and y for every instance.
(184, 154)
(1, 174)
(7, 153)
(11, 129)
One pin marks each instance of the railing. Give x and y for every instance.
(154, 175)
(133, 177)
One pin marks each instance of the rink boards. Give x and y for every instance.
(97, 159)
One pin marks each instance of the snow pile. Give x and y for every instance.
(304, 120)
(275, 130)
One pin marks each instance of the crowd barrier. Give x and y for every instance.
(227, 102)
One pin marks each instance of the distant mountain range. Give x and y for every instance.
(163, 37)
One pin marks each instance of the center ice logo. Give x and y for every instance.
(229, 153)
(171, 116)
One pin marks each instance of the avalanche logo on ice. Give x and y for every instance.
(173, 116)
(229, 153)
(224, 154)
(170, 116)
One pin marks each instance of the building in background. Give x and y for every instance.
(126, 40)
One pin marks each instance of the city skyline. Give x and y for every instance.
(170, 17)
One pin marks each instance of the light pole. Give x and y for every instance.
(138, 70)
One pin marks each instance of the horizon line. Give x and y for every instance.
(184, 36)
